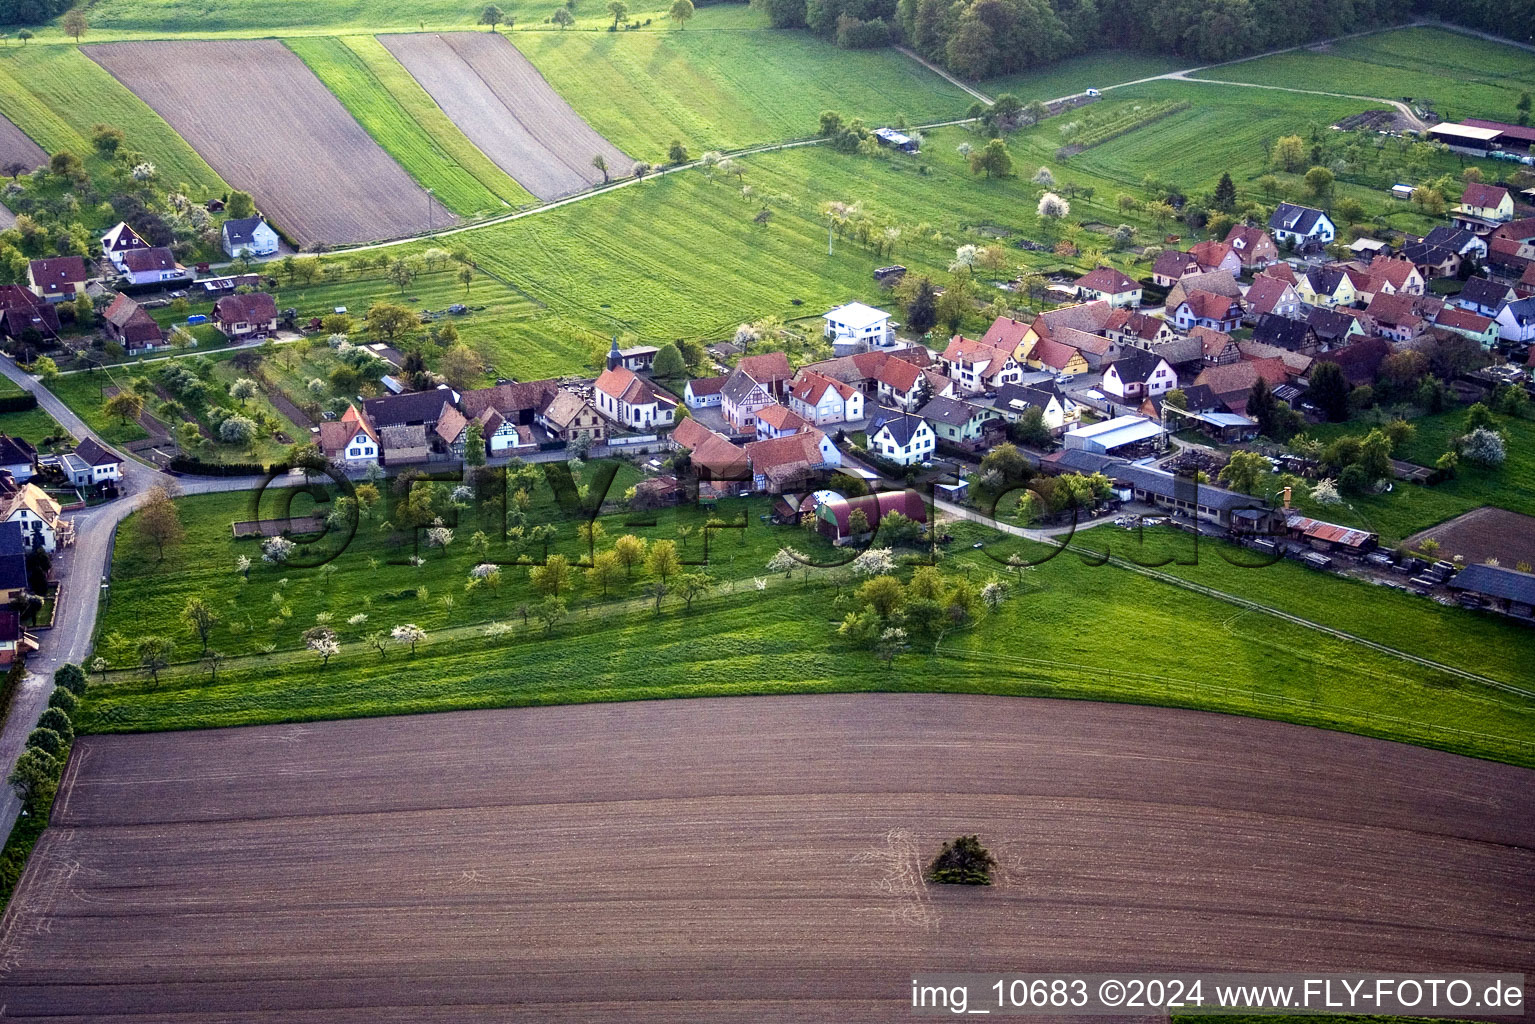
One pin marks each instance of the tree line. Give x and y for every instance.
(984, 38)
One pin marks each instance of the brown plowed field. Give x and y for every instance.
(1481, 534)
(261, 119)
(505, 107)
(743, 860)
(16, 146)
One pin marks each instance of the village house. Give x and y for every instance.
(451, 433)
(779, 421)
(1217, 282)
(836, 519)
(38, 515)
(1286, 333)
(1296, 364)
(1333, 327)
(59, 279)
(1088, 317)
(248, 236)
(1301, 227)
(1216, 347)
(1096, 349)
(1516, 321)
(704, 393)
(1058, 358)
(856, 327)
(822, 400)
(1360, 362)
(1109, 285)
(900, 437)
(1483, 207)
(502, 436)
(155, 265)
(1326, 286)
(1137, 375)
(131, 326)
(1253, 246)
(1138, 330)
(632, 401)
(1270, 295)
(13, 564)
(243, 317)
(14, 641)
(1395, 317)
(782, 463)
(568, 417)
(1206, 309)
(1232, 384)
(1481, 329)
(1480, 295)
(22, 311)
(350, 440)
(1463, 243)
(18, 458)
(119, 240)
(771, 370)
(1172, 266)
(1057, 411)
(1432, 261)
(1395, 277)
(906, 386)
(740, 399)
(413, 408)
(98, 466)
(1212, 255)
(956, 422)
(976, 367)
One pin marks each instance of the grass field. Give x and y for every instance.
(402, 119)
(1459, 75)
(1077, 74)
(82, 392)
(1048, 638)
(56, 94)
(132, 18)
(1408, 508)
(728, 89)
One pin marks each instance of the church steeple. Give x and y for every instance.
(614, 359)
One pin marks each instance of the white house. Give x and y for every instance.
(705, 392)
(821, 400)
(1299, 225)
(856, 327)
(1109, 285)
(1516, 321)
(249, 236)
(1138, 374)
(17, 457)
(155, 265)
(97, 465)
(30, 507)
(1057, 410)
(351, 440)
(119, 240)
(901, 437)
(632, 401)
(975, 367)
(740, 399)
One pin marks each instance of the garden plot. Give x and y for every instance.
(505, 107)
(742, 859)
(254, 110)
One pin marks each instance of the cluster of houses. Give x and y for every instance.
(130, 263)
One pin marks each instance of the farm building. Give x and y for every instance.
(1503, 590)
(248, 236)
(1464, 138)
(898, 141)
(1330, 538)
(1184, 494)
(1122, 434)
(835, 518)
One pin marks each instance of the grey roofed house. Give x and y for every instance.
(404, 442)
(948, 410)
(14, 450)
(1273, 329)
(1457, 240)
(10, 539)
(1136, 366)
(1299, 219)
(93, 454)
(1072, 460)
(1179, 350)
(1325, 280)
(1485, 294)
(1331, 326)
(1038, 395)
(902, 425)
(740, 384)
(242, 231)
(1200, 398)
(1426, 253)
(410, 407)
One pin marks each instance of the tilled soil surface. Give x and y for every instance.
(261, 118)
(500, 101)
(753, 859)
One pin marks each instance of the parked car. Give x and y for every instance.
(1065, 378)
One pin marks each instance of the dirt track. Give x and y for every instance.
(259, 116)
(501, 102)
(743, 860)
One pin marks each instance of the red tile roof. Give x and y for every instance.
(1480, 195)
(1108, 280)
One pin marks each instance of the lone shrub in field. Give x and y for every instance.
(962, 861)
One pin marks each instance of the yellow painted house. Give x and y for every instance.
(1326, 287)
(1486, 202)
(1048, 354)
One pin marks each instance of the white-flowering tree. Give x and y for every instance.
(358, 619)
(439, 537)
(874, 562)
(964, 259)
(1053, 206)
(1044, 177)
(1484, 447)
(993, 594)
(784, 561)
(409, 633)
(890, 643)
(1325, 492)
(243, 566)
(277, 550)
(322, 641)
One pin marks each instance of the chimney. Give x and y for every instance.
(1287, 499)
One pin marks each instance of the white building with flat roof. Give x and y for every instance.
(856, 327)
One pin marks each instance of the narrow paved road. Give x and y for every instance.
(80, 571)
